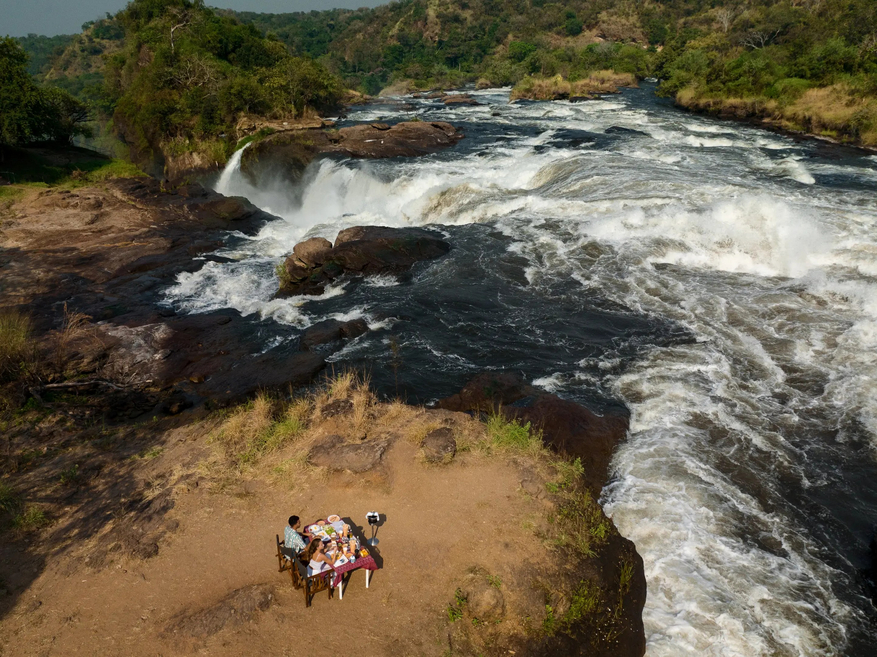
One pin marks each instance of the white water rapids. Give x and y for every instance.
(764, 249)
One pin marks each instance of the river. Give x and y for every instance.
(717, 280)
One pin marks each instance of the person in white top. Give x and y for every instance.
(316, 558)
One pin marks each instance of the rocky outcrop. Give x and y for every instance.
(237, 608)
(566, 426)
(439, 445)
(106, 255)
(459, 99)
(361, 250)
(335, 453)
(288, 153)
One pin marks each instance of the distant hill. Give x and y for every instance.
(166, 78)
(804, 64)
(809, 65)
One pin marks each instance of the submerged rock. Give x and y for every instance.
(362, 250)
(460, 100)
(332, 330)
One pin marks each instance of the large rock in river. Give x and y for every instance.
(288, 153)
(362, 250)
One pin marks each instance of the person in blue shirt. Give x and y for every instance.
(291, 537)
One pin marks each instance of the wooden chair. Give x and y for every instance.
(287, 559)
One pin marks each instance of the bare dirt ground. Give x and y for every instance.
(441, 521)
(135, 522)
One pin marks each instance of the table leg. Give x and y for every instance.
(368, 575)
(341, 589)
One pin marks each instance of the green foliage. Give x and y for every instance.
(24, 516)
(10, 502)
(176, 71)
(27, 166)
(455, 609)
(29, 113)
(511, 435)
(42, 50)
(70, 476)
(31, 518)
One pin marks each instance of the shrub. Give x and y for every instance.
(511, 435)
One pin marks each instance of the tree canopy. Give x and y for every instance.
(29, 113)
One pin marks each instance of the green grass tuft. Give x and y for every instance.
(511, 435)
(32, 518)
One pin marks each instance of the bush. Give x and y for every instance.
(29, 113)
(511, 435)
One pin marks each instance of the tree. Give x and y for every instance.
(29, 113)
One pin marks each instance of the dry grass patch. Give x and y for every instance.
(260, 427)
(835, 111)
(598, 82)
(603, 82)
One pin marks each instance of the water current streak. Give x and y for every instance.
(718, 279)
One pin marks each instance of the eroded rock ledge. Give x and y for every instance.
(567, 427)
(360, 250)
(288, 153)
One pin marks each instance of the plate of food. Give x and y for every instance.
(334, 518)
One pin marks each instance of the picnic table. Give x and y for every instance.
(332, 533)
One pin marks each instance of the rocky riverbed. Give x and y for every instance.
(121, 410)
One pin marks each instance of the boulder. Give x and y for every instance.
(312, 252)
(363, 250)
(335, 453)
(439, 446)
(484, 601)
(332, 330)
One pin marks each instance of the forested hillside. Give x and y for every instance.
(811, 64)
(177, 69)
(168, 77)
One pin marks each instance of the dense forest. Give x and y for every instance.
(811, 64)
(808, 64)
(170, 76)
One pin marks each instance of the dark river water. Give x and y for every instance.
(716, 280)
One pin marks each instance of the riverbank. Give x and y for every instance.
(115, 469)
(493, 548)
(835, 113)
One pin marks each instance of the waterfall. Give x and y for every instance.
(225, 183)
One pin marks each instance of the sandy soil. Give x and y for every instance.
(225, 541)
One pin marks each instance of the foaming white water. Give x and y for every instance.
(230, 173)
(688, 220)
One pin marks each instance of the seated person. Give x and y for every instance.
(316, 558)
(291, 537)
